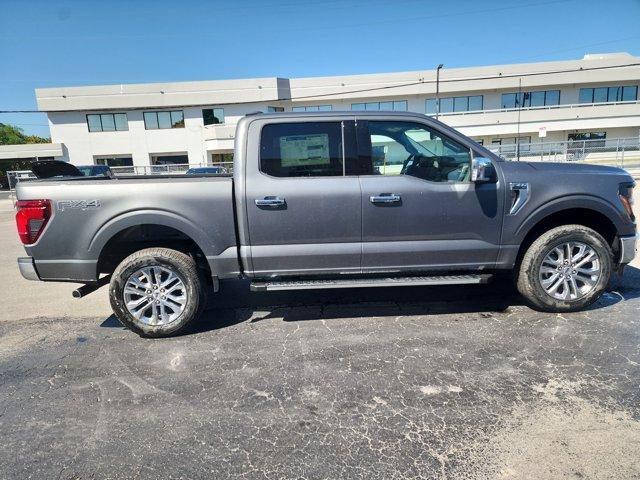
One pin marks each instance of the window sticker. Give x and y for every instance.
(301, 150)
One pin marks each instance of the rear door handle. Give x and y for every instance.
(270, 202)
(386, 198)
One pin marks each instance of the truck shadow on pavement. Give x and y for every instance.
(239, 304)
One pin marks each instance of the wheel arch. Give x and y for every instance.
(137, 230)
(587, 211)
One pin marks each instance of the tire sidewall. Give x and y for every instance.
(193, 288)
(555, 238)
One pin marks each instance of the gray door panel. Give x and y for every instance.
(310, 224)
(317, 231)
(435, 225)
(419, 209)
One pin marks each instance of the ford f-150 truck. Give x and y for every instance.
(331, 200)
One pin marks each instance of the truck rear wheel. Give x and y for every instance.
(157, 292)
(565, 269)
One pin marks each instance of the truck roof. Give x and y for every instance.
(338, 113)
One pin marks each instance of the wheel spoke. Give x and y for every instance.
(581, 251)
(171, 278)
(134, 290)
(555, 286)
(575, 291)
(136, 283)
(548, 270)
(139, 309)
(137, 304)
(547, 282)
(559, 254)
(164, 315)
(590, 256)
(586, 279)
(566, 291)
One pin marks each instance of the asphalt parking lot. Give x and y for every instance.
(444, 382)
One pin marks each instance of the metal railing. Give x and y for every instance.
(570, 150)
(570, 106)
(15, 176)
(170, 169)
(616, 152)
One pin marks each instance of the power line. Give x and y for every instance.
(406, 84)
(574, 48)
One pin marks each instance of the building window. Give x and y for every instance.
(628, 93)
(213, 116)
(271, 109)
(594, 139)
(396, 105)
(163, 120)
(539, 98)
(115, 161)
(512, 144)
(107, 122)
(170, 159)
(312, 108)
(454, 104)
(221, 158)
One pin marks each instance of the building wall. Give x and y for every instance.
(195, 139)
(199, 142)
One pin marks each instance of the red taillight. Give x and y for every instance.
(31, 219)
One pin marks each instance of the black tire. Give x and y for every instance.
(528, 275)
(182, 266)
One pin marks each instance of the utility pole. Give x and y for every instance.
(438, 89)
(520, 102)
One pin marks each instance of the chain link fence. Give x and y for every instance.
(617, 152)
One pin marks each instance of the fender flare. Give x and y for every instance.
(147, 217)
(584, 202)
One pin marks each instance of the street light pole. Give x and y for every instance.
(438, 89)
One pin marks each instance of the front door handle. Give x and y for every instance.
(386, 198)
(270, 202)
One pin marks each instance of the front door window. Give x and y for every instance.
(406, 148)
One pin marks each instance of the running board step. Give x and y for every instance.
(273, 285)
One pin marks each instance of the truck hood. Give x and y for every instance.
(575, 167)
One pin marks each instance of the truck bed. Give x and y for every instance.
(88, 212)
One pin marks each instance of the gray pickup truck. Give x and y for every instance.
(331, 200)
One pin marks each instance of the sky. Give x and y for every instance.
(69, 42)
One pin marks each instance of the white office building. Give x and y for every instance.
(594, 99)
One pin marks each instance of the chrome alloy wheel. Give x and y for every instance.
(570, 271)
(155, 295)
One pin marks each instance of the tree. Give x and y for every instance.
(12, 135)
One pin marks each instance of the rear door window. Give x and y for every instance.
(304, 149)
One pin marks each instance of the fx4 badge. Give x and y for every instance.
(78, 204)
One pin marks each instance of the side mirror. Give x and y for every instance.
(482, 170)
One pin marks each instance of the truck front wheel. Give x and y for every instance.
(565, 269)
(157, 292)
